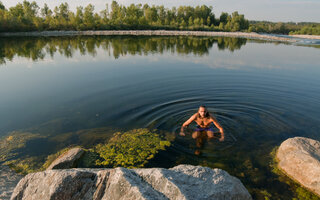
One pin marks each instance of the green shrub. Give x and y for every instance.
(130, 149)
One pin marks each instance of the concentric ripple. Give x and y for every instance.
(250, 107)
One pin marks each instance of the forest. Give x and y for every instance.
(28, 16)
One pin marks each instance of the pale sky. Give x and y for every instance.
(269, 10)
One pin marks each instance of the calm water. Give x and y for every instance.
(260, 92)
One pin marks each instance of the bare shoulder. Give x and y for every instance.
(212, 118)
(194, 116)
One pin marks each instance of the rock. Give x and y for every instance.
(181, 182)
(67, 160)
(8, 181)
(299, 158)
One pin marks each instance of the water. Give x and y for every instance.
(260, 92)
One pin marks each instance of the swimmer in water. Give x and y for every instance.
(203, 118)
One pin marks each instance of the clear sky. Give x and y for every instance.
(270, 10)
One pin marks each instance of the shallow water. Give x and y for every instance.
(260, 92)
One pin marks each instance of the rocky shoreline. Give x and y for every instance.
(151, 33)
(298, 158)
(180, 182)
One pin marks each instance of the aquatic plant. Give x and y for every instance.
(130, 149)
(25, 165)
(14, 142)
(88, 160)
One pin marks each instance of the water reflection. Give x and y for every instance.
(37, 48)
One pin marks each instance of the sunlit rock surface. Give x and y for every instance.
(67, 160)
(299, 158)
(8, 180)
(180, 182)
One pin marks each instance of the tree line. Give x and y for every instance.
(28, 16)
(306, 28)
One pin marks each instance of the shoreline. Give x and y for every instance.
(313, 37)
(150, 33)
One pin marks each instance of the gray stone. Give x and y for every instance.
(8, 181)
(67, 160)
(181, 182)
(299, 158)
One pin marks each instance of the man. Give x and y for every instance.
(203, 119)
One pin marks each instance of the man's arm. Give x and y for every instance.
(219, 127)
(186, 123)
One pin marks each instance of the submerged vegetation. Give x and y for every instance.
(130, 149)
(14, 151)
(13, 144)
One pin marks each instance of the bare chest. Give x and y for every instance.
(203, 122)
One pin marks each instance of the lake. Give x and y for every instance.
(260, 92)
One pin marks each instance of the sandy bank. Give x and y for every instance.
(314, 37)
(151, 32)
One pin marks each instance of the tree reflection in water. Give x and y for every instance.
(36, 48)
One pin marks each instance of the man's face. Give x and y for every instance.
(202, 111)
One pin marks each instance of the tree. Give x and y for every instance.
(45, 11)
(208, 21)
(78, 19)
(2, 6)
(190, 21)
(223, 17)
(88, 18)
(24, 17)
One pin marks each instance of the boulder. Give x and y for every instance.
(67, 160)
(299, 158)
(180, 182)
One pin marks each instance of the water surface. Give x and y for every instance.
(260, 92)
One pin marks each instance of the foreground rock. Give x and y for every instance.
(180, 182)
(67, 160)
(8, 180)
(299, 158)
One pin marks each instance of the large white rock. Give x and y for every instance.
(181, 182)
(299, 158)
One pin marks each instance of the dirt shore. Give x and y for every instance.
(315, 37)
(151, 32)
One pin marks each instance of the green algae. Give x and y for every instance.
(130, 149)
(13, 144)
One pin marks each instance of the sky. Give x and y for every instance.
(269, 10)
